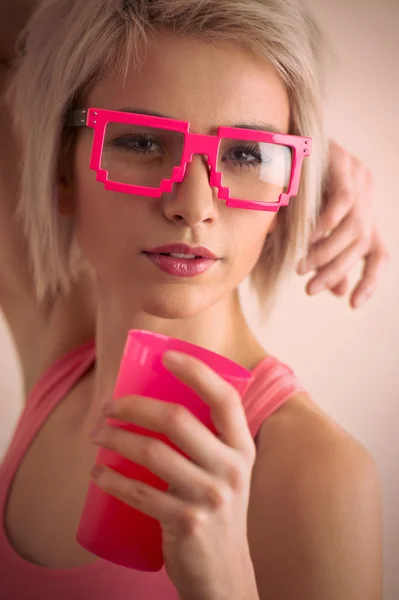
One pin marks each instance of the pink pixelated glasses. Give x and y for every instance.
(146, 155)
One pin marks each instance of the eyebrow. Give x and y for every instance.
(257, 126)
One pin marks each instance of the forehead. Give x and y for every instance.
(207, 83)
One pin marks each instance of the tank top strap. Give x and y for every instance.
(61, 376)
(273, 384)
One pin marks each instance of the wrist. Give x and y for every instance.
(242, 587)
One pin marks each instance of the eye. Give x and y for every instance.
(245, 155)
(138, 144)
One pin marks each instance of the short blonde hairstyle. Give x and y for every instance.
(69, 45)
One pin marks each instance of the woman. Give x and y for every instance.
(283, 504)
(346, 211)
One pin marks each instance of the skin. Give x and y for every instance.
(345, 232)
(347, 211)
(337, 467)
(133, 294)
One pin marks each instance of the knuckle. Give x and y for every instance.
(370, 286)
(338, 151)
(233, 401)
(333, 216)
(358, 167)
(331, 281)
(236, 476)
(341, 152)
(250, 454)
(193, 519)
(365, 232)
(363, 243)
(151, 450)
(322, 255)
(235, 398)
(176, 416)
(123, 407)
(230, 405)
(362, 225)
(138, 494)
(108, 435)
(217, 494)
(368, 176)
(330, 221)
(384, 256)
(345, 196)
(357, 228)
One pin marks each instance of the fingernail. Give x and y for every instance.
(317, 287)
(362, 299)
(174, 358)
(357, 303)
(108, 408)
(97, 431)
(97, 470)
(302, 267)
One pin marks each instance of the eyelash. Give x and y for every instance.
(123, 144)
(248, 149)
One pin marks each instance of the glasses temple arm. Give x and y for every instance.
(77, 117)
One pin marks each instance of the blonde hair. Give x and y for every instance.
(69, 45)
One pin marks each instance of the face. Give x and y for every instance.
(209, 85)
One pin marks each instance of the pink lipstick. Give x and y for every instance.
(181, 260)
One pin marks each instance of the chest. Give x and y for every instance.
(47, 496)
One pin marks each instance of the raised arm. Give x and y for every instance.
(13, 17)
(15, 279)
(39, 337)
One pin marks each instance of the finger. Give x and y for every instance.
(339, 198)
(160, 505)
(336, 209)
(224, 401)
(190, 481)
(342, 288)
(324, 251)
(332, 274)
(374, 263)
(178, 424)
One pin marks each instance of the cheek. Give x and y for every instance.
(250, 235)
(104, 220)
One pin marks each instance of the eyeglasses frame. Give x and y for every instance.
(194, 143)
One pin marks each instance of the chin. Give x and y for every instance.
(174, 305)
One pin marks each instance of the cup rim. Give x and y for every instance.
(244, 374)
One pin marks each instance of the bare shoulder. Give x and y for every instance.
(303, 432)
(314, 520)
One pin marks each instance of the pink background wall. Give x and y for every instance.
(349, 360)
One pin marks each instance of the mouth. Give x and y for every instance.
(183, 252)
(175, 255)
(181, 260)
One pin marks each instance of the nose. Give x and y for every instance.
(193, 201)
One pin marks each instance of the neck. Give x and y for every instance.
(221, 328)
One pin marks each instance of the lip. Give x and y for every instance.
(199, 251)
(181, 267)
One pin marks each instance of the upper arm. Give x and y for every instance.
(13, 17)
(16, 282)
(314, 523)
(40, 336)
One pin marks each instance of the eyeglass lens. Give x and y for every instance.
(144, 156)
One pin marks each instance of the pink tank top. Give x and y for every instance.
(101, 580)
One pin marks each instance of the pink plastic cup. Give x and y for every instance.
(108, 527)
